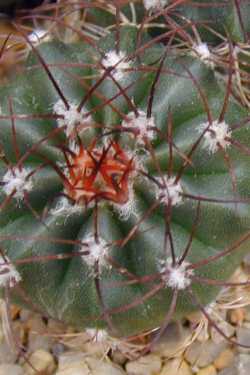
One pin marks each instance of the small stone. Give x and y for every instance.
(35, 324)
(225, 327)
(39, 341)
(100, 367)
(225, 359)
(73, 363)
(7, 354)
(41, 361)
(97, 349)
(176, 366)
(243, 337)
(88, 345)
(55, 327)
(209, 370)
(243, 364)
(75, 369)
(25, 315)
(229, 371)
(173, 341)
(11, 370)
(14, 312)
(58, 349)
(237, 316)
(203, 354)
(118, 357)
(147, 365)
(247, 316)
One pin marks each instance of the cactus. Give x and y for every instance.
(124, 179)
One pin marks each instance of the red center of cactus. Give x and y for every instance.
(96, 173)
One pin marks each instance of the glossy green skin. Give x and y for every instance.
(65, 289)
(210, 17)
(222, 17)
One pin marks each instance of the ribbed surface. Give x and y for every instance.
(67, 289)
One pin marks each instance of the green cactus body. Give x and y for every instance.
(100, 255)
(227, 18)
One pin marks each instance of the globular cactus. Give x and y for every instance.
(125, 182)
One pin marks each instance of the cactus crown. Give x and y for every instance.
(124, 164)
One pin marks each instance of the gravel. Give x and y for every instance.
(191, 348)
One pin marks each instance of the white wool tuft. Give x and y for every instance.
(74, 147)
(71, 117)
(154, 4)
(203, 53)
(178, 276)
(144, 126)
(112, 58)
(128, 209)
(97, 335)
(16, 179)
(9, 276)
(169, 191)
(97, 251)
(63, 207)
(216, 135)
(202, 50)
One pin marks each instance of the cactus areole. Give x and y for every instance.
(124, 183)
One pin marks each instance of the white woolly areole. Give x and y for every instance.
(202, 50)
(71, 117)
(129, 208)
(144, 126)
(216, 135)
(97, 335)
(177, 276)
(112, 58)
(203, 53)
(63, 207)
(97, 251)
(16, 179)
(169, 191)
(9, 276)
(154, 4)
(74, 146)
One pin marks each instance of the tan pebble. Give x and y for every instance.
(100, 367)
(237, 316)
(147, 365)
(73, 369)
(176, 366)
(11, 370)
(173, 341)
(228, 329)
(210, 370)
(25, 315)
(18, 331)
(224, 359)
(97, 349)
(78, 363)
(118, 357)
(41, 361)
(14, 312)
(194, 317)
(35, 324)
(55, 327)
